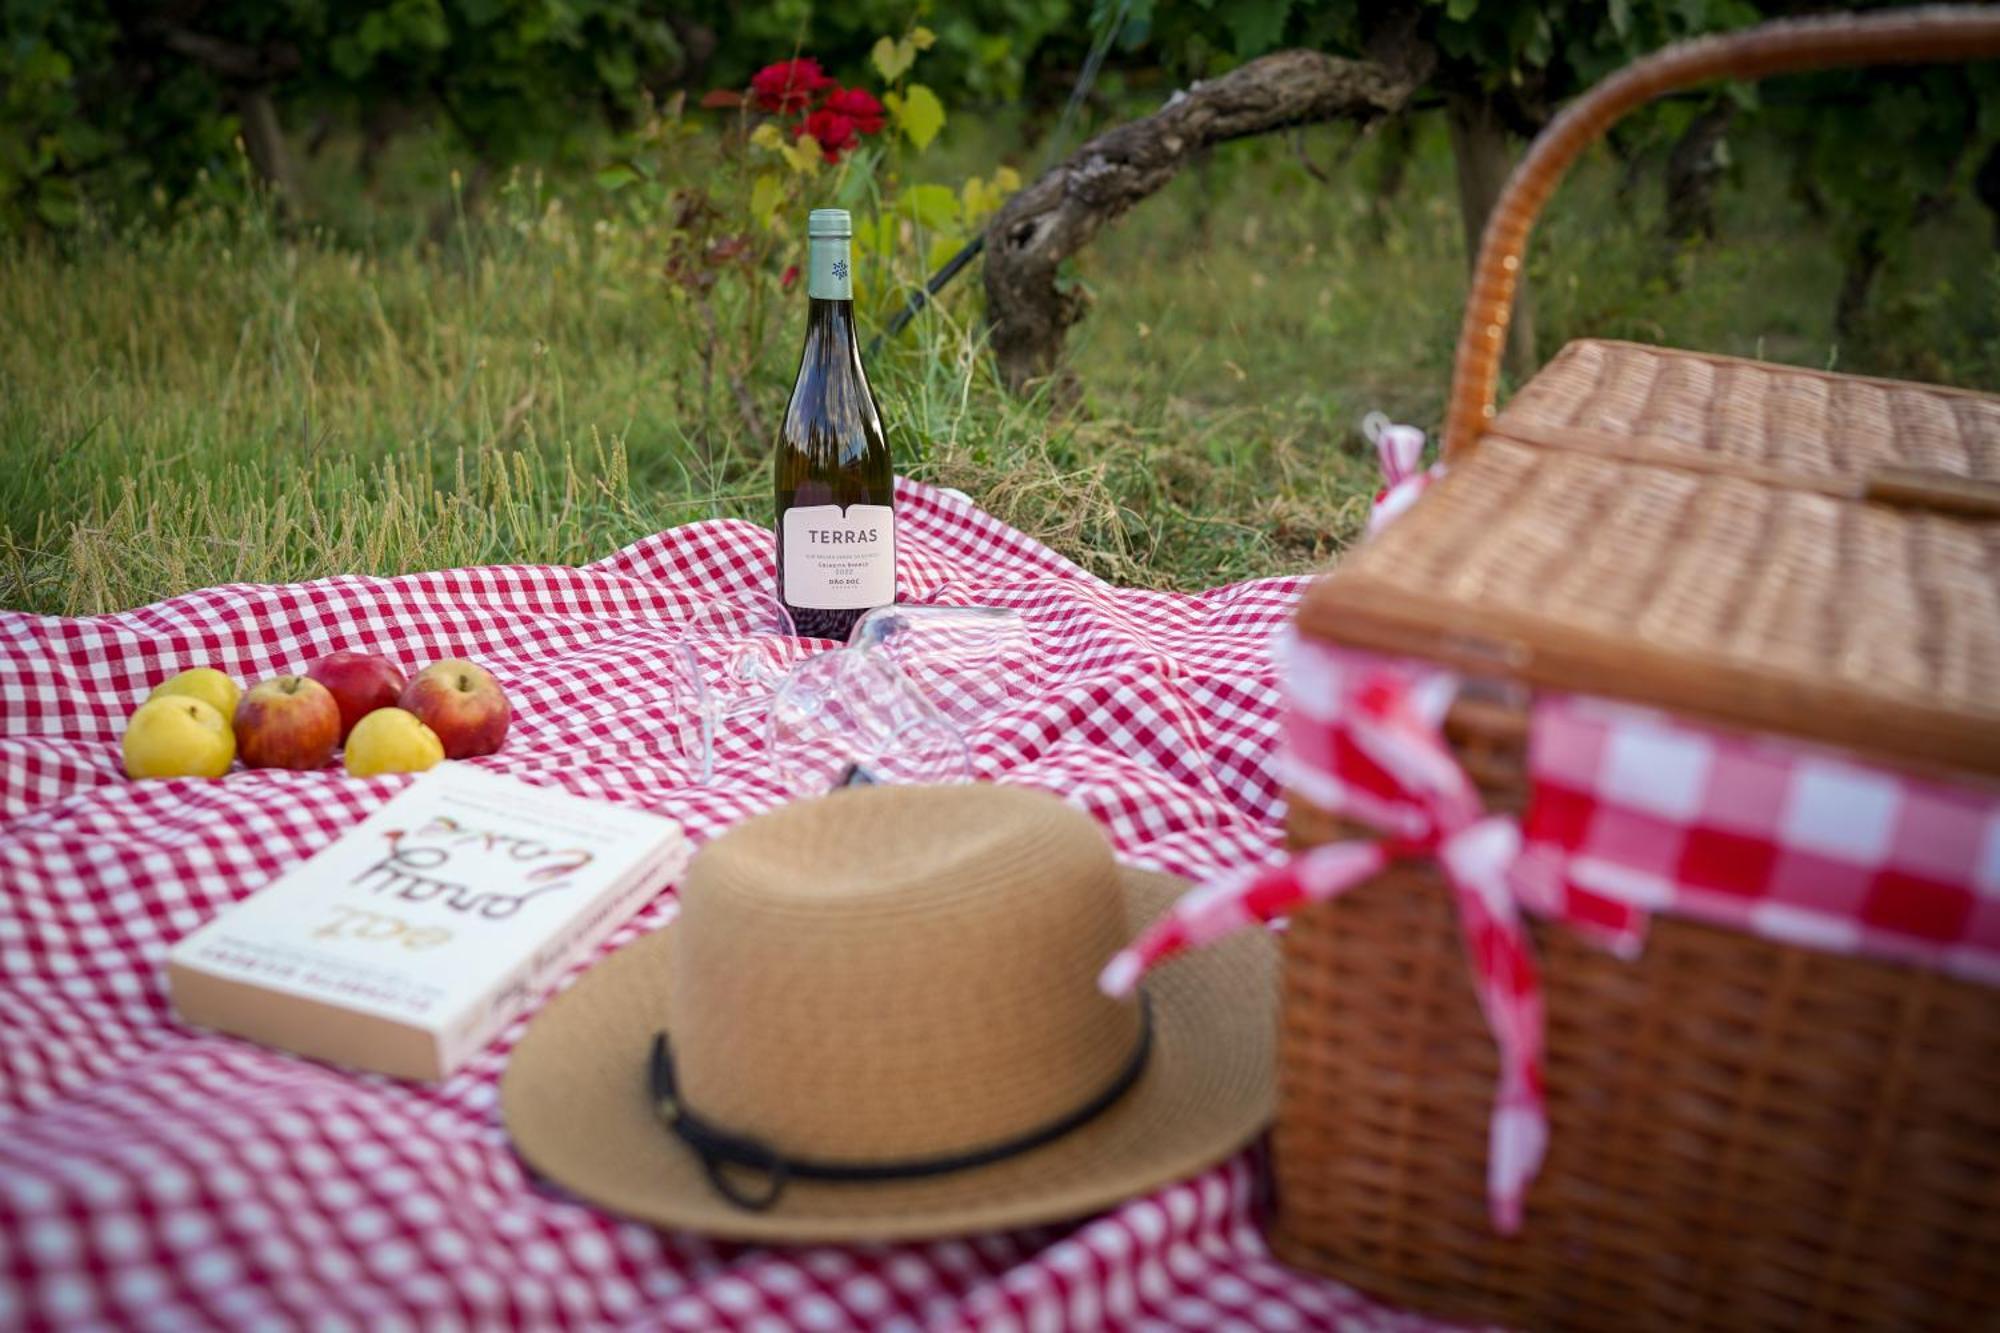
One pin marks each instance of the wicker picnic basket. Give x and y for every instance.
(1744, 1134)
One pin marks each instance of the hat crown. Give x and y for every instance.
(898, 972)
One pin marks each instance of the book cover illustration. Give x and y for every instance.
(441, 915)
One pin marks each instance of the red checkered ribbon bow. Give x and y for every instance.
(1375, 737)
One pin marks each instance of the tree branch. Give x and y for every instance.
(232, 60)
(1057, 216)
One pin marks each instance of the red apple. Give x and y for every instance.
(462, 703)
(287, 722)
(359, 682)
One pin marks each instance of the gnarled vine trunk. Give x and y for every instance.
(1027, 309)
(253, 72)
(1694, 168)
(1484, 155)
(1986, 184)
(264, 141)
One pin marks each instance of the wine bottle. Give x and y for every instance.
(836, 505)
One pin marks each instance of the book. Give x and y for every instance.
(409, 942)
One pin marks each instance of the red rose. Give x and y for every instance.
(835, 132)
(858, 106)
(789, 278)
(787, 86)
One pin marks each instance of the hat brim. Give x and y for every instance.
(574, 1101)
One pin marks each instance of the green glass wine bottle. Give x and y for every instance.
(836, 504)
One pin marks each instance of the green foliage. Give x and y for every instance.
(1542, 50)
(985, 49)
(1561, 49)
(114, 107)
(1209, 35)
(75, 129)
(1876, 144)
(515, 77)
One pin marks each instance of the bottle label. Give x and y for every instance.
(840, 560)
(831, 277)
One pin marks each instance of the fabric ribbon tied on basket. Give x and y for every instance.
(1375, 739)
(1400, 450)
(1370, 742)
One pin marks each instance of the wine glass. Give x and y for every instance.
(970, 662)
(847, 714)
(735, 648)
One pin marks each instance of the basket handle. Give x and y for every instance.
(1930, 35)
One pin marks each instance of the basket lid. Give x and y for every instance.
(1777, 609)
(1839, 434)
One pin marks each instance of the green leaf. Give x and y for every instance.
(858, 175)
(877, 237)
(57, 204)
(617, 68)
(1255, 26)
(1533, 38)
(943, 246)
(767, 195)
(42, 66)
(350, 59)
(1138, 29)
(1458, 11)
(892, 57)
(616, 178)
(931, 206)
(977, 198)
(920, 115)
(803, 155)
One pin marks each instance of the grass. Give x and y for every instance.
(231, 400)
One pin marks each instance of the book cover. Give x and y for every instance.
(406, 944)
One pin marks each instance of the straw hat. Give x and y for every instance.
(896, 984)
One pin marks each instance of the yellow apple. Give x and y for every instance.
(391, 740)
(204, 683)
(178, 736)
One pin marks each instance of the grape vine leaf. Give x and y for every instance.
(892, 57)
(931, 206)
(919, 115)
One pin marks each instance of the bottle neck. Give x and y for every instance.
(830, 327)
(830, 269)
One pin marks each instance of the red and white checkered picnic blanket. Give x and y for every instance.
(1631, 811)
(155, 1176)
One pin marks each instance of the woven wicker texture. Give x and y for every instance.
(1864, 625)
(1718, 412)
(1744, 1135)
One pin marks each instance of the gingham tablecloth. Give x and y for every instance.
(154, 1176)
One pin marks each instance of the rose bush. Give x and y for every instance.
(728, 239)
(787, 87)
